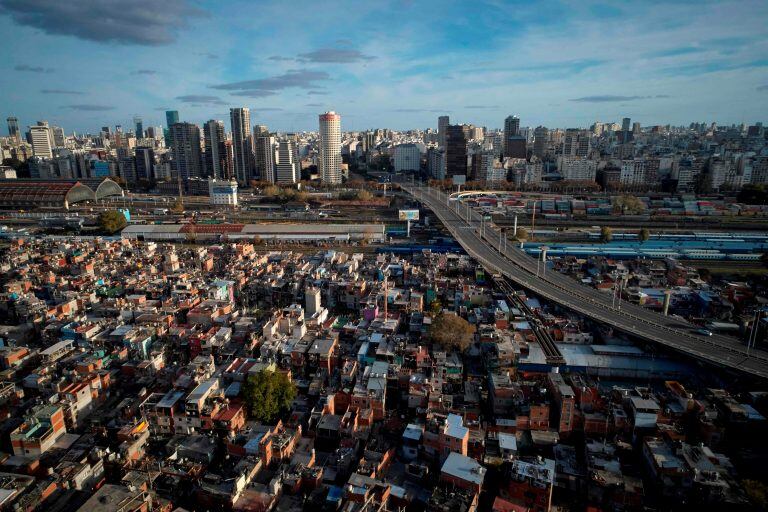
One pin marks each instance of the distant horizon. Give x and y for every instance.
(397, 65)
(129, 126)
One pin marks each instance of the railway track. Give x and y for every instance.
(480, 239)
(551, 351)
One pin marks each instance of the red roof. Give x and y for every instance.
(212, 228)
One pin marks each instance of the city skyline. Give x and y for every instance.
(586, 62)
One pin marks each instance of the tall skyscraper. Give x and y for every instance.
(264, 151)
(145, 163)
(185, 150)
(625, 133)
(215, 156)
(511, 129)
(139, 124)
(540, 141)
(229, 160)
(13, 129)
(42, 140)
(171, 117)
(286, 164)
(242, 143)
(456, 138)
(442, 126)
(329, 163)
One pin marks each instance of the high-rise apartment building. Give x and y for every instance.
(13, 129)
(229, 160)
(577, 143)
(442, 126)
(577, 168)
(329, 163)
(264, 150)
(242, 143)
(185, 150)
(760, 170)
(634, 173)
(407, 157)
(286, 163)
(456, 138)
(511, 129)
(215, 157)
(540, 141)
(57, 132)
(41, 139)
(435, 164)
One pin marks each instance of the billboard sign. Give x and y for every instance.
(409, 214)
(459, 179)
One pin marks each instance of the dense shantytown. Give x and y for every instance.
(139, 375)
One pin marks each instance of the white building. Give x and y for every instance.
(407, 157)
(222, 192)
(264, 150)
(533, 171)
(633, 173)
(577, 169)
(42, 140)
(329, 161)
(286, 164)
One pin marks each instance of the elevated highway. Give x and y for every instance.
(487, 244)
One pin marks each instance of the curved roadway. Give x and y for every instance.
(466, 225)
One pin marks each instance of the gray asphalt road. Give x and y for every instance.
(481, 240)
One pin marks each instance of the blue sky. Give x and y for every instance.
(82, 64)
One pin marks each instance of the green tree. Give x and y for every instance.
(112, 221)
(451, 332)
(630, 205)
(364, 195)
(606, 234)
(521, 234)
(178, 206)
(267, 395)
(644, 234)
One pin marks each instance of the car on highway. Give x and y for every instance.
(703, 332)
